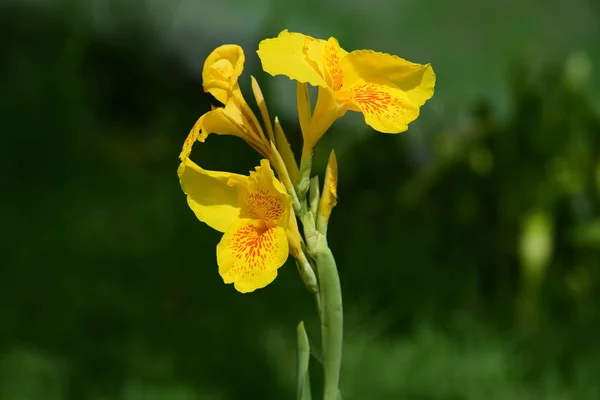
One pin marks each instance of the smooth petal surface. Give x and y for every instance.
(250, 253)
(209, 194)
(416, 80)
(288, 54)
(221, 71)
(327, 111)
(221, 122)
(264, 197)
(385, 107)
(304, 106)
(262, 106)
(293, 235)
(229, 120)
(286, 151)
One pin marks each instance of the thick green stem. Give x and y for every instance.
(331, 317)
(329, 298)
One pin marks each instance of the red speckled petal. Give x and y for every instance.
(264, 197)
(250, 253)
(386, 108)
(332, 58)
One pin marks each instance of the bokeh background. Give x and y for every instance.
(468, 247)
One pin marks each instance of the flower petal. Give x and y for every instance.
(222, 122)
(293, 235)
(386, 108)
(190, 140)
(229, 120)
(221, 71)
(264, 197)
(288, 54)
(286, 151)
(262, 106)
(250, 252)
(417, 80)
(332, 57)
(327, 110)
(209, 194)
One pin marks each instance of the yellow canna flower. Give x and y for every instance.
(220, 74)
(252, 211)
(387, 89)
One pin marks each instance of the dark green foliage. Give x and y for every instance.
(108, 284)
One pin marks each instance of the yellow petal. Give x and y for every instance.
(262, 106)
(385, 107)
(327, 110)
(332, 57)
(416, 80)
(304, 107)
(288, 54)
(221, 71)
(250, 253)
(293, 235)
(190, 140)
(211, 198)
(286, 151)
(222, 122)
(329, 197)
(264, 197)
(230, 120)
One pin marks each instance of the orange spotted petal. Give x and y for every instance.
(416, 80)
(190, 140)
(385, 107)
(250, 252)
(264, 197)
(332, 57)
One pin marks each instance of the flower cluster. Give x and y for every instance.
(257, 214)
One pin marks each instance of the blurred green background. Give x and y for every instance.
(468, 247)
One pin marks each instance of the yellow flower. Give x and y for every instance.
(252, 211)
(387, 89)
(220, 74)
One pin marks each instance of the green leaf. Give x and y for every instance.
(303, 380)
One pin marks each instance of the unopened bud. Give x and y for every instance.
(329, 197)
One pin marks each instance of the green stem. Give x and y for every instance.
(331, 317)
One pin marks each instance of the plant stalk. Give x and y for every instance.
(331, 317)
